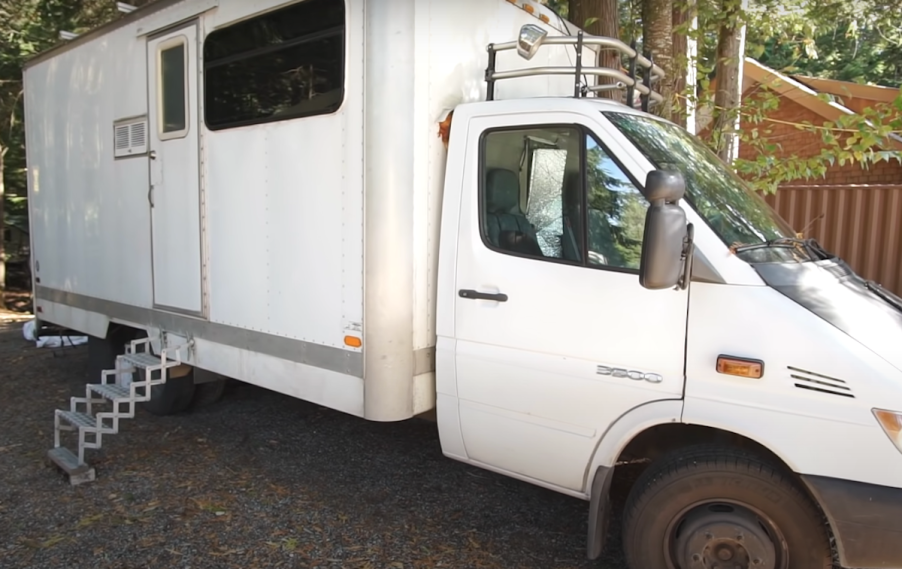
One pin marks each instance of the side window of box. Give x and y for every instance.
(285, 64)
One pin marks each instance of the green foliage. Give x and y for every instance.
(851, 41)
(864, 139)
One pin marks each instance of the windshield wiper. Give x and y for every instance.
(884, 294)
(811, 244)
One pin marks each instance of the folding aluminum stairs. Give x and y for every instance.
(90, 423)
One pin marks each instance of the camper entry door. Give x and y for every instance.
(174, 195)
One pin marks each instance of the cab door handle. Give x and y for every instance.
(476, 295)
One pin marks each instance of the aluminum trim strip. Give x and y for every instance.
(299, 351)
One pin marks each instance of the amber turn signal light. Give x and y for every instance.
(353, 341)
(741, 367)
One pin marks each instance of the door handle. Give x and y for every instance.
(476, 295)
(150, 195)
(152, 154)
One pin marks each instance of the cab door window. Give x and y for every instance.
(556, 194)
(530, 202)
(616, 211)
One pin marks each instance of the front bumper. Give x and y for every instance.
(866, 521)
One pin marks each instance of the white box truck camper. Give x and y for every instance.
(278, 192)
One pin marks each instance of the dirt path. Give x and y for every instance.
(260, 480)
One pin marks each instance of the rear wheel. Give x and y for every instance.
(208, 388)
(713, 507)
(171, 397)
(102, 352)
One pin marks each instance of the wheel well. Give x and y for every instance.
(661, 439)
(656, 441)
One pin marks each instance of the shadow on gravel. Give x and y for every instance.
(263, 480)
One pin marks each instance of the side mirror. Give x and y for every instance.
(664, 246)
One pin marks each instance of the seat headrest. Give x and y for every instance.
(572, 186)
(502, 191)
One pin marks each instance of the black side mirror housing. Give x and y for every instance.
(666, 235)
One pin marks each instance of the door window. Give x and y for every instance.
(555, 193)
(531, 202)
(616, 211)
(173, 96)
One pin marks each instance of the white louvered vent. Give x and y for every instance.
(130, 138)
(139, 135)
(122, 141)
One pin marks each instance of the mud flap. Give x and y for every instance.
(599, 511)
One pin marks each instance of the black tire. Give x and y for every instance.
(101, 356)
(710, 506)
(102, 352)
(172, 397)
(208, 392)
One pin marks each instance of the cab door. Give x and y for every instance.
(554, 338)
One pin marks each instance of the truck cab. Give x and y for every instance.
(610, 290)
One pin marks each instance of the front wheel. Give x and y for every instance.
(710, 507)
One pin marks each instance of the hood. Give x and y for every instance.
(834, 292)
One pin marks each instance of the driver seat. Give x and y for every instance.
(503, 210)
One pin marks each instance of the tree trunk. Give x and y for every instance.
(2, 233)
(657, 31)
(607, 24)
(685, 49)
(728, 74)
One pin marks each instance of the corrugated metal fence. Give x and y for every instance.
(860, 224)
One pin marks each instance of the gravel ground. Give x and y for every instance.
(262, 480)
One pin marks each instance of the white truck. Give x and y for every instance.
(278, 192)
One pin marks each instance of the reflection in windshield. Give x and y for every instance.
(732, 209)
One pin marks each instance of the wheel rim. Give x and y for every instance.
(725, 535)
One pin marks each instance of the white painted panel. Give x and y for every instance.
(807, 429)
(89, 214)
(173, 15)
(304, 229)
(236, 225)
(87, 322)
(352, 172)
(285, 212)
(328, 388)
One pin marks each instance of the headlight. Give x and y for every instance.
(892, 425)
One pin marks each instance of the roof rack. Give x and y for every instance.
(532, 37)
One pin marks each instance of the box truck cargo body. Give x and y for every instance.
(236, 223)
(389, 207)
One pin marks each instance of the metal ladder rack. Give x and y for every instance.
(91, 426)
(641, 76)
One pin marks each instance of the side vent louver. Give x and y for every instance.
(122, 141)
(818, 382)
(139, 134)
(130, 137)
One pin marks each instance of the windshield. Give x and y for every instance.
(736, 213)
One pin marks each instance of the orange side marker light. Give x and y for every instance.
(741, 367)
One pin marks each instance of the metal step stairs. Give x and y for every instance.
(92, 424)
